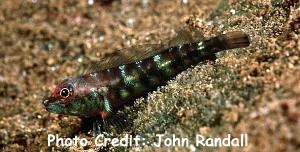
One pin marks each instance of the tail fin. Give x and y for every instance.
(236, 39)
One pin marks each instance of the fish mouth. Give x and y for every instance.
(48, 100)
(45, 102)
(54, 107)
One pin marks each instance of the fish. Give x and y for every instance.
(133, 72)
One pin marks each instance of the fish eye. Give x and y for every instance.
(64, 92)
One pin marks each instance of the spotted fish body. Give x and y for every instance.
(130, 81)
(101, 92)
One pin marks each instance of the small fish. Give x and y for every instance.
(133, 72)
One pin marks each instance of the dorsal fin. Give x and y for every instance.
(185, 35)
(141, 52)
(125, 56)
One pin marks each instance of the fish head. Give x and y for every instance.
(70, 97)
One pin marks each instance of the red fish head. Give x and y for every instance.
(63, 91)
(73, 97)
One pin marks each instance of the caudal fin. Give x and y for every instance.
(236, 39)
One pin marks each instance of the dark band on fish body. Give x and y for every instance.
(147, 74)
(136, 79)
(151, 72)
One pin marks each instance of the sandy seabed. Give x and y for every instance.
(253, 91)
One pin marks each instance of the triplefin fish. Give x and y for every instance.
(127, 76)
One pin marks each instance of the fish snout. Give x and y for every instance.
(45, 102)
